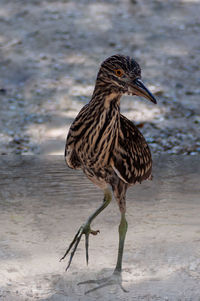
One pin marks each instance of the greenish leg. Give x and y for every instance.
(106, 202)
(122, 234)
(85, 229)
(115, 278)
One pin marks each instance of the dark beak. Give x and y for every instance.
(138, 88)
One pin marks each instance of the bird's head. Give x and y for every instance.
(122, 75)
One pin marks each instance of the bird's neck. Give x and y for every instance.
(105, 99)
(104, 108)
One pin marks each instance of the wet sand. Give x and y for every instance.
(42, 205)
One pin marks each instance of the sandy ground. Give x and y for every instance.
(41, 208)
(50, 52)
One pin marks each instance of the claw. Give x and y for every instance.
(85, 229)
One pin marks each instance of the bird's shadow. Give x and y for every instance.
(115, 278)
(69, 283)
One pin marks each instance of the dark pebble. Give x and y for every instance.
(3, 91)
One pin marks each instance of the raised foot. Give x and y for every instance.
(114, 279)
(84, 229)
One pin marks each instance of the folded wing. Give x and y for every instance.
(131, 159)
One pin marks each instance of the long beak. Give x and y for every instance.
(140, 90)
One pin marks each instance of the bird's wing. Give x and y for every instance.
(76, 129)
(131, 158)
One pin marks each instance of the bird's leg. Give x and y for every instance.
(122, 234)
(116, 277)
(85, 229)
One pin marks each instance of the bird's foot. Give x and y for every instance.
(84, 229)
(114, 279)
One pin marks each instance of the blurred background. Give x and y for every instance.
(50, 52)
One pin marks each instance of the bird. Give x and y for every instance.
(109, 148)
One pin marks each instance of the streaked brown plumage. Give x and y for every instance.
(106, 145)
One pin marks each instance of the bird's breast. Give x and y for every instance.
(95, 146)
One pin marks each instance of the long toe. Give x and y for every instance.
(73, 246)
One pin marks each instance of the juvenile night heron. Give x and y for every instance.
(109, 148)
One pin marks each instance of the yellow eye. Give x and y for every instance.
(119, 72)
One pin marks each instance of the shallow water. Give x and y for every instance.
(42, 203)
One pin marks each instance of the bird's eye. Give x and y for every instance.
(119, 72)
